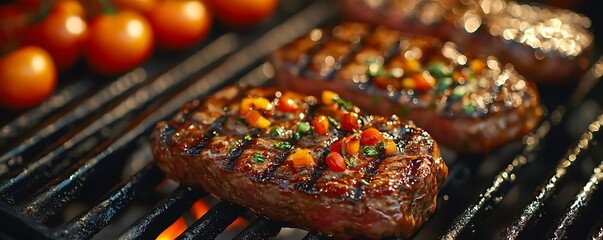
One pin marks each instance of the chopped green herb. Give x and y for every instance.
(303, 127)
(233, 147)
(370, 151)
(244, 121)
(381, 146)
(374, 68)
(343, 104)
(258, 158)
(443, 84)
(332, 121)
(277, 131)
(438, 70)
(469, 108)
(459, 92)
(289, 116)
(364, 182)
(283, 145)
(247, 138)
(350, 162)
(296, 136)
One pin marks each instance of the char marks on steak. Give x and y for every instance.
(546, 45)
(468, 103)
(389, 193)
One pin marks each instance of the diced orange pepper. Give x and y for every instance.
(423, 83)
(255, 119)
(371, 136)
(301, 157)
(328, 96)
(321, 125)
(390, 146)
(477, 65)
(412, 65)
(352, 145)
(259, 103)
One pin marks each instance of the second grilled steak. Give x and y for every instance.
(325, 167)
(468, 103)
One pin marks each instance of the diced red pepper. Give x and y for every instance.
(349, 121)
(371, 136)
(321, 125)
(287, 105)
(336, 146)
(335, 162)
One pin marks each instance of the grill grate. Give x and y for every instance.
(92, 128)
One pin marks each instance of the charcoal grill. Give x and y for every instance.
(74, 152)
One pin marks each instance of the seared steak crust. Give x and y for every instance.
(208, 146)
(545, 44)
(468, 103)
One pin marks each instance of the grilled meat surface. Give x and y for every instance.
(546, 45)
(285, 171)
(468, 103)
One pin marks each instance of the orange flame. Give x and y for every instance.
(200, 207)
(174, 230)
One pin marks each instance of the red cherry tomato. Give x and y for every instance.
(27, 77)
(371, 136)
(180, 24)
(349, 121)
(321, 125)
(243, 13)
(335, 162)
(62, 34)
(286, 104)
(118, 42)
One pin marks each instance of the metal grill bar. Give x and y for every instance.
(164, 213)
(550, 187)
(11, 131)
(261, 228)
(577, 206)
(88, 224)
(213, 222)
(533, 144)
(315, 236)
(597, 232)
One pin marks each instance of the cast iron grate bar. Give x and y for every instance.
(13, 189)
(533, 144)
(581, 201)
(261, 228)
(316, 236)
(597, 231)
(11, 131)
(89, 223)
(31, 146)
(163, 214)
(213, 222)
(551, 186)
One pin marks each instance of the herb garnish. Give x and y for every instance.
(350, 162)
(247, 138)
(303, 127)
(258, 158)
(332, 121)
(370, 151)
(365, 183)
(283, 145)
(343, 104)
(381, 146)
(277, 131)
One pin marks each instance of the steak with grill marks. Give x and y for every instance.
(468, 103)
(284, 167)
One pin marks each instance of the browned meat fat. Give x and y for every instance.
(468, 103)
(273, 151)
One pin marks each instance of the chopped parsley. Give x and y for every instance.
(469, 108)
(283, 145)
(247, 138)
(343, 104)
(370, 151)
(351, 162)
(296, 136)
(332, 121)
(381, 146)
(303, 127)
(258, 158)
(365, 183)
(374, 68)
(277, 131)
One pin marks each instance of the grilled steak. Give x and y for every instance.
(323, 166)
(470, 104)
(546, 45)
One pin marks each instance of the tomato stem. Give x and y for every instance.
(42, 12)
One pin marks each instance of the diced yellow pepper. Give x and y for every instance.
(246, 105)
(262, 103)
(301, 157)
(477, 65)
(328, 96)
(413, 65)
(408, 83)
(255, 119)
(390, 146)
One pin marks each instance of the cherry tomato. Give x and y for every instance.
(118, 42)
(13, 22)
(243, 13)
(62, 34)
(141, 6)
(336, 146)
(180, 24)
(287, 105)
(27, 77)
(371, 136)
(335, 162)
